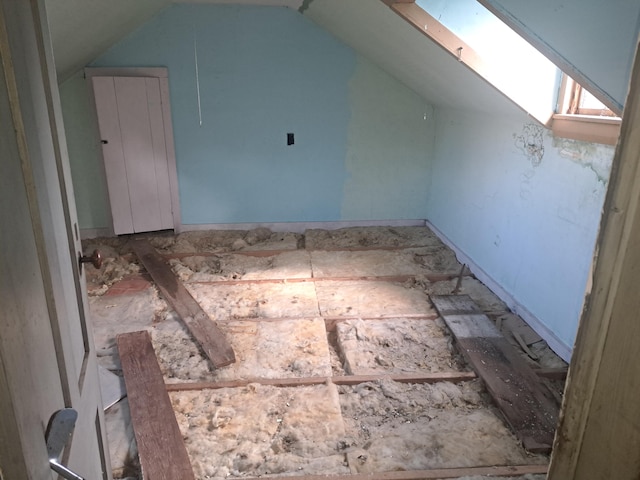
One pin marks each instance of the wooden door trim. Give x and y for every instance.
(162, 74)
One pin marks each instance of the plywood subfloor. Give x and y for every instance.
(327, 304)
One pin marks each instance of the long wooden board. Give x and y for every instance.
(162, 453)
(525, 402)
(205, 331)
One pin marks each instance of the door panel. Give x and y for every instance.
(48, 358)
(131, 126)
(105, 95)
(156, 122)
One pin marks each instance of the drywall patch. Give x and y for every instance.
(595, 157)
(531, 143)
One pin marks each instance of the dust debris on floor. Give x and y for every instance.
(343, 365)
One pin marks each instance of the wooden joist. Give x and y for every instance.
(454, 377)
(162, 453)
(525, 402)
(204, 330)
(436, 473)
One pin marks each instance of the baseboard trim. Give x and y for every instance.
(558, 346)
(88, 233)
(300, 227)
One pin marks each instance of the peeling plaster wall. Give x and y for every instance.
(524, 207)
(360, 135)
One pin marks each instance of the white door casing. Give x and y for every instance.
(47, 357)
(137, 148)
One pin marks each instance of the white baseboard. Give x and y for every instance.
(86, 233)
(558, 346)
(300, 227)
(295, 227)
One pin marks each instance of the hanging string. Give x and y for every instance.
(195, 56)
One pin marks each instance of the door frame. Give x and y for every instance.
(162, 74)
(47, 361)
(599, 429)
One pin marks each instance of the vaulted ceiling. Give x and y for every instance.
(81, 30)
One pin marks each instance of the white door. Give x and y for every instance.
(134, 148)
(47, 357)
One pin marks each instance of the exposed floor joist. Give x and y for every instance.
(440, 473)
(338, 380)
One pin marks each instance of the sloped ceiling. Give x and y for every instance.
(375, 31)
(83, 29)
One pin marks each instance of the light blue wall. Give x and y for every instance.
(265, 72)
(594, 38)
(523, 206)
(386, 179)
(84, 154)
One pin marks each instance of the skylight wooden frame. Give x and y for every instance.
(596, 126)
(429, 26)
(588, 125)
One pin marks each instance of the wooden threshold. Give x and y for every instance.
(204, 330)
(161, 449)
(453, 377)
(526, 403)
(439, 473)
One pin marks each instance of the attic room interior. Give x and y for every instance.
(369, 238)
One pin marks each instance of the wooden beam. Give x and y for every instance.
(204, 330)
(454, 377)
(162, 453)
(599, 429)
(439, 473)
(526, 404)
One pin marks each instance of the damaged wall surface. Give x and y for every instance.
(265, 72)
(525, 207)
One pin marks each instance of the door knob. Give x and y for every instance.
(95, 259)
(61, 425)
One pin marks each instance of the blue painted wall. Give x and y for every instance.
(265, 72)
(525, 206)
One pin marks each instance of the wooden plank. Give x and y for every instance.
(452, 304)
(162, 453)
(205, 331)
(453, 377)
(439, 473)
(551, 373)
(527, 404)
